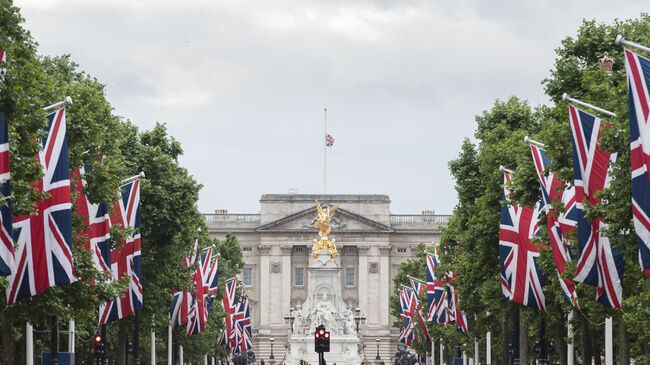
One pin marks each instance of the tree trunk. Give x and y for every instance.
(7, 340)
(523, 338)
(623, 343)
(586, 343)
(561, 342)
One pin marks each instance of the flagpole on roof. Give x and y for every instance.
(325, 152)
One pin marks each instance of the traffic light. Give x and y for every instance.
(98, 341)
(321, 340)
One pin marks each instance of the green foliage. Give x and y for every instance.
(116, 149)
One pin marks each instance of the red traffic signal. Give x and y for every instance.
(97, 339)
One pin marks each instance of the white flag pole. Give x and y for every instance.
(132, 178)
(29, 344)
(153, 346)
(324, 142)
(442, 353)
(488, 348)
(620, 40)
(566, 97)
(476, 354)
(61, 104)
(433, 351)
(609, 343)
(569, 336)
(71, 336)
(180, 354)
(534, 142)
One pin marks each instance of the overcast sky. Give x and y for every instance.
(242, 84)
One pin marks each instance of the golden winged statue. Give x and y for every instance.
(322, 222)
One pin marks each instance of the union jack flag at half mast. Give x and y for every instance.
(97, 235)
(329, 140)
(418, 288)
(44, 239)
(598, 264)
(125, 261)
(638, 81)
(243, 327)
(456, 315)
(7, 264)
(558, 224)
(521, 278)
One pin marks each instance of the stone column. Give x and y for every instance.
(363, 279)
(264, 289)
(384, 272)
(286, 280)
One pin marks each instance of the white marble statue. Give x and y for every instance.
(299, 321)
(350, 326)
(324, 313)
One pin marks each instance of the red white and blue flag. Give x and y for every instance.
(599, 264)
(419, 288)
(210, 265)
(198, 315)
(638, 80)
(44, 238)
(97, 223)
(180, 308)
(436, 295)
(125, 261)
(558, 223)
(521, 278)
(455, 314)
(7, 261)
(229, 303)
(243, 327)
(191, 259)
(329, 140)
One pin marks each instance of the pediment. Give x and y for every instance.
(342, 221)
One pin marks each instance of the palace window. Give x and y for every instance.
(401, 250)
(247, 249)
(349, 277)
(247, 276)
(298, 276)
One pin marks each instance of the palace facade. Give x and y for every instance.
(276, 243)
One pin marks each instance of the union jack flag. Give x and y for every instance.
(180, 308)
(558, 223)
(229, 303)
(638, 79)
(418, 288)
(7, 263)
(44, 238)
(521, 278)
(198, 315)
(125, 261)
(97, 232)
(243, 327)
(599, 264)
(406, 335)
(329, 140)
(436, 296)
(211, 271)
(456, 315)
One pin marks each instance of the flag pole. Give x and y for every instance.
(324, 152)
(566, 97)
(620, 40)
(61, 104)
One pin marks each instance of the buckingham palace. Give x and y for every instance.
(276, 243)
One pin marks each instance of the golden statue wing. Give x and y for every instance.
(333, 209)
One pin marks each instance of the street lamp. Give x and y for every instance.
(377, 358)
(290, 318)
(271, 358)
(358, 318)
